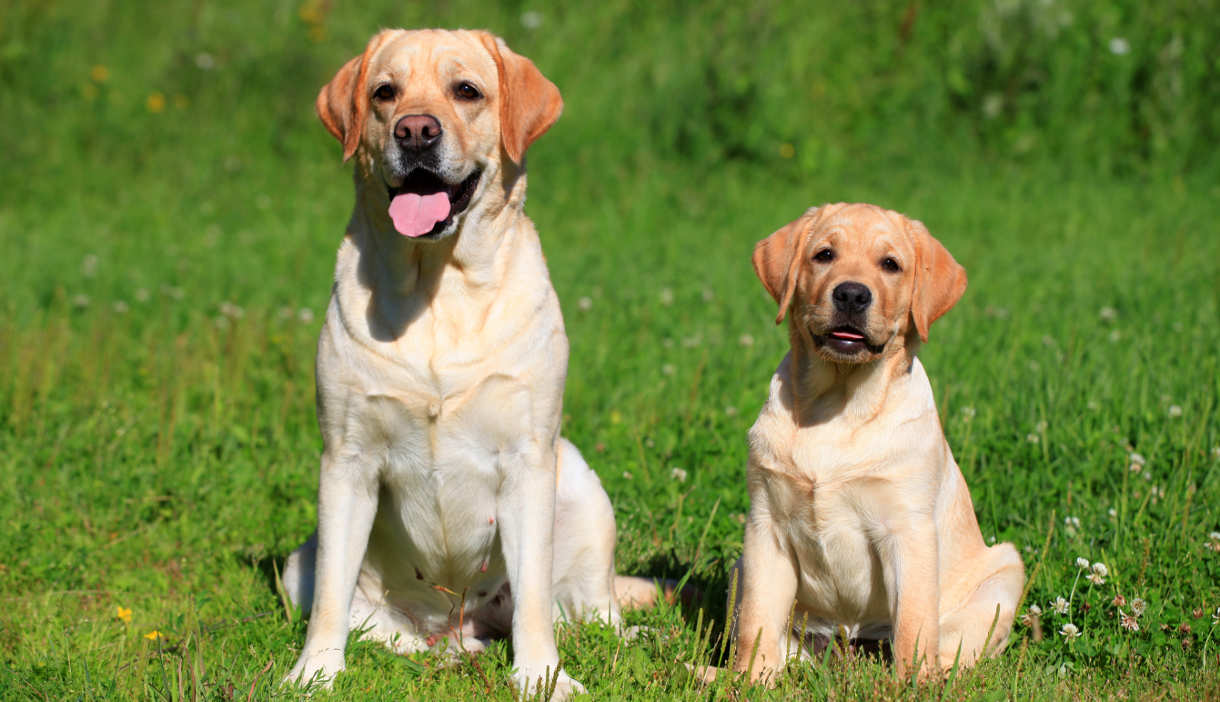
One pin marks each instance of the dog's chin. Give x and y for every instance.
(846, 344)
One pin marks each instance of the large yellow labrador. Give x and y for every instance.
(858, 512)
(449, 508)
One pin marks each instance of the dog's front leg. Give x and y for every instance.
(767, 586)
(910, 567)
(347, 503)
(526, 511)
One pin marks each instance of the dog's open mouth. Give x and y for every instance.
(424, 205)
(847, 341)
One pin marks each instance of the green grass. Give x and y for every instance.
(168, 259)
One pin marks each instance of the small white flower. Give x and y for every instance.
(1070, 632)
(1032, 438)
(82, 301)
(585, 303)
(1112, 512)
(1093, 405)
(968, 413)
(627, 475)
(1107, 314)
(667, 296)
(678, 474)
(1100, 569)
(1115, 336)
(1035, 609)
(708, 295)
(1175, 411)
(1031, 614)
(1138, 605)
(1060, 605)
(141, 295)
(1082, 563)
(531, 19)
(1119, 46)
(669, 369)
(993, 105)
(205, 61)
(745, 340)
(1040, 427)
(88, 266)
(691, 342)
(305, 315)
(232, 311)
(1137, 459)
(1128, 621)
(730, 411)
(1214, 536)
(1095, 579)
(1048, 340)
(120, 307)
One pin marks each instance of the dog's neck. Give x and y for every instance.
(855, 392)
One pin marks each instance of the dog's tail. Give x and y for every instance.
(642, 593)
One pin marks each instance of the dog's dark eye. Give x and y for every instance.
(824, 256)
(384, 92)
(465, 90)
(889, 265)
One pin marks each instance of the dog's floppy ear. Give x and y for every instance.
(776, 264)
(341, 103)
(529, 103)
(939, 280)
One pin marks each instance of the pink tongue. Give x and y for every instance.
(415, 215)
(846, 335)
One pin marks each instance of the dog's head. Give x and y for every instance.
(434, 117)
(855, 277)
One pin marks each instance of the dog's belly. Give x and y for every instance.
(434, 550)
(839, 576)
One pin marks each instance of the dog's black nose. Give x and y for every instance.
(852, 298)
(418, 132)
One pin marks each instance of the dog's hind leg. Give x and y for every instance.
(975, 625)
(583, 575)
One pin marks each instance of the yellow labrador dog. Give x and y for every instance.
(449, 508)
(858, 512)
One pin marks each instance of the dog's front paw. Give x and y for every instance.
(316, 669)
(531, 681)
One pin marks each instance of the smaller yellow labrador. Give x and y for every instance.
(858, 512)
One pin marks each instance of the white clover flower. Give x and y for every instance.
(1138, 605)
(968, 413)
(1093, 405)
(305, 315)
(88, 265)
(1071, 522)
(745, 340)
(120, 307)
(1137, 459)
(667, 296)
(1060, 605)
(1128, 621)
(82, 300)
(1070, 632)
(678, 474)
(1112, 512)
(1115, 336)
(1100, 569)
(669, 369)
(1035, 610)
(1119, 46)
(141, 295)
(1175, 411)
(205, 61)
(1082, 563)
(627, 475)
(730, 411)
(1107, 314)
(1040, 427)
(585, 303)
(1032, 614)
(531, 19)
(1095, 579)
(1214, 536)
(1032, 438)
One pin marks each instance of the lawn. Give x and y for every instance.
(170, 209)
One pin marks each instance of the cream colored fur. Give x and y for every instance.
(450, 510)
(858, 513)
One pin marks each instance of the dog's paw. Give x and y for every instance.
(532, 681)
(316, 670)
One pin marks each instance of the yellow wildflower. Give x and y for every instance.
(99, 73)
(123, 613)
(155, 102)
(154, 635)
